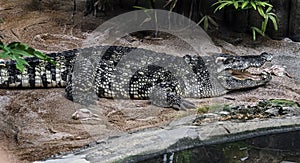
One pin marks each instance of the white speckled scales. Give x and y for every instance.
(122, 72)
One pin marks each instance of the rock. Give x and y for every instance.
(223, 113)
(140, 145)
(273, 112)
(286, 39)
(290, 111)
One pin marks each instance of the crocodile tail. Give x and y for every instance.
(39, 73)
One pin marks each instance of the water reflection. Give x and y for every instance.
(279, 148)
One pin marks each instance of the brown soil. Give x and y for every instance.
(35, 124)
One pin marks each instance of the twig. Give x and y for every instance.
(43, 22)
(13, 32)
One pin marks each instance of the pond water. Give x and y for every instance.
(279, 148)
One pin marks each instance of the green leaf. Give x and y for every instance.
(254, 30)
(20, 66)
(272, 14)
(260, 3)
(39, 55)
(264, 25)
(273, 19)
(1, 44)
(263, 4)
(220, 7)
(212, 21)
(253, 5)
(22, 61)
(173, 5)
(51, 61)
(140, 7)
(13, 44)
(169, 1)
(206, 24)
(22, 47)
(202, 19)
(5, 48)
(30, 50)
(4, 55)
(268, 4)
(20, 52)
(17, 51)
(236, 4)
(245, 4)
(261, 11)
(206, 20)
(258, 31)
(269, 9)
(253, 34)
(42, 56)
(218, 3)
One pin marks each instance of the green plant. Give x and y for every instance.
(149, 18)
(18, 51)
(96, 6)
(243, 4)
(264, 9)
(207, 20)
(266, 15)
(171, 3)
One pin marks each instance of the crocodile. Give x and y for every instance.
(119, 72)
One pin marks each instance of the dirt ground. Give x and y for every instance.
(35, 124)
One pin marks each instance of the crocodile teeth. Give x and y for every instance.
(243, 75)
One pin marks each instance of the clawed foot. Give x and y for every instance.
(183, 105)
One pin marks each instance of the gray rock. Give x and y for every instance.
(147, 143)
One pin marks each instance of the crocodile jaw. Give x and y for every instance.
(236, 80)
(232, 71)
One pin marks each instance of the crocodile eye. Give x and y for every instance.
(267, 56)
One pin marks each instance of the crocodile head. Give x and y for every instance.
(241, 72)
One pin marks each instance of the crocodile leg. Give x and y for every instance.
(80, 84)
(179, 103)
(165, 97)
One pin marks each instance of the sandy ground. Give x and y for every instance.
(35, 124)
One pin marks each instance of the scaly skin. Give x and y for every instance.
(124, 72)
